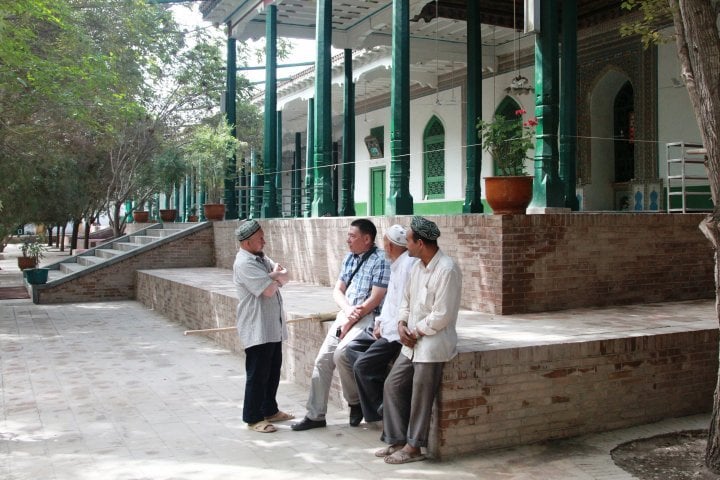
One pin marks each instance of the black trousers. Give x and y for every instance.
(262, 369)
(370, 358)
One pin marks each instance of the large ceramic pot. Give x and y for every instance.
(168, 214)
(141, 216)
(214, 211)
(508, 195)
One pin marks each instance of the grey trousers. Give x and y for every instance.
(409, 393)
(331, 354)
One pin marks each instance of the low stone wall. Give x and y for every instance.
(507, 397)
(524, 263)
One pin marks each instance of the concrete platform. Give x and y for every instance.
(115, 391)
(518, 379)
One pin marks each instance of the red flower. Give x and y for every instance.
(531, 122)
(520, 111)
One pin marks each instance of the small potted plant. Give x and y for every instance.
(32, 252)
(208, 151)
(192, 215)
(508, 141)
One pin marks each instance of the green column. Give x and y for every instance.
(473, 152)
(231, 204)
(203, 198)
(399, 200)
(176, 198)
(128, 212)
(322, 202)
(243, 193)
(310, 158)
(568, 105)
(295, 189)
(256, 186)
(347, 202)
(547, 188)
(269, 204)
(279, 164)
(187, 201)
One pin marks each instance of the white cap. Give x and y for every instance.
(397, 235)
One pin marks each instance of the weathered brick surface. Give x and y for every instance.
(517, 396)
(526, 263)
(117, 281)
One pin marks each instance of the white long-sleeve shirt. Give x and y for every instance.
(431, 301)
(388, 318)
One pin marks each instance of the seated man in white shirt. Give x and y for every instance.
(373, 350)
(426, 325)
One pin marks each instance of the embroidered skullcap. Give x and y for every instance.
(425, 228)
(397, 235)
(246, 230)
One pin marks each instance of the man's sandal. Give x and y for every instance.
(389, 450)
(262, 426)
(401, 456)
(280, 416)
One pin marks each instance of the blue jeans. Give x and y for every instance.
(262, 369)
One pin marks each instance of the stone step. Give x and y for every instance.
(162, 232)
(127, 246)
(143, 239)
(88, 260)
(68, 267)
(108, 252)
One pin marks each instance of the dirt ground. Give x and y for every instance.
(674, 456)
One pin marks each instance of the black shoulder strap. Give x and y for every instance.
(362, 260)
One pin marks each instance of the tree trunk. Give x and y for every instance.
(57, 235)
(76, 232)
(86, 241)
(50, 235)
(698, 46)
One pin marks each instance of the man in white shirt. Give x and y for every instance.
(426, 324)
(372, 351)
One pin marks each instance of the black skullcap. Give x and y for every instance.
(425, 228)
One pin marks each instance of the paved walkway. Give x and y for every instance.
(115, 391)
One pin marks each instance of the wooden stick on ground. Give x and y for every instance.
(323, 317)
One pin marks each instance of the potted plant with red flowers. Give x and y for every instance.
(508, 141)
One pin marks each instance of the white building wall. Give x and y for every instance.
(676, 119)
(449, 111)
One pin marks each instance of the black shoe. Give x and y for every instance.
(356, 415)
(307, 424)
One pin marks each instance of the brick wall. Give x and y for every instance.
(117, 281)
(518, 396)
(524, 263)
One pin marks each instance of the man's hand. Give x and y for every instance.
(407, 338)
(279, 274)
(377, 332)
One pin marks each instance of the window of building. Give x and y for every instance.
(434, 159)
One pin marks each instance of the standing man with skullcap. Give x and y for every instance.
(426, 324)
(261, 327)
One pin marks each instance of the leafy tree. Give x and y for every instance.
(697, 39)
(208, 149)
